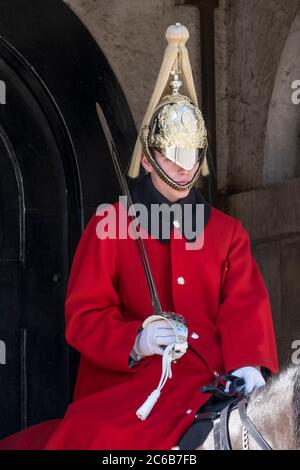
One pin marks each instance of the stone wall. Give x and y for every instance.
(282, 144)
(131, 33)
(259, 175)
(251, 37)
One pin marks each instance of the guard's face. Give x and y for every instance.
(175, 172)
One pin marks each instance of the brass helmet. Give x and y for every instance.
(173, 124)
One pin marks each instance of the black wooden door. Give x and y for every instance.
(54, 171)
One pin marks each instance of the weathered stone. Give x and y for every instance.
(131, 33)
(257, 35)
(290, 282)
(270, 212)
(282, 146)
(267, 256)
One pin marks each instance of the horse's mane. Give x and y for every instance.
(296, 406)
(284, 388)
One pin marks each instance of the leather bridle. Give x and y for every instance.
(220, 419)
(221, 427)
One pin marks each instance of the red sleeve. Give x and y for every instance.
(244, 318)
(95, 325)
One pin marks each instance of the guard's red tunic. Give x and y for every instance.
(218, 289)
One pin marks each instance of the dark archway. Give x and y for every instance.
(54, 171)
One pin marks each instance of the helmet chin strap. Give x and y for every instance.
(161, 173)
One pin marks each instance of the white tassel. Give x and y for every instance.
(147, 406)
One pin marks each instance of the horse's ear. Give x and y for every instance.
(266, 373)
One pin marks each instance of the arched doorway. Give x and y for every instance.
(54, 171)
(282, 145)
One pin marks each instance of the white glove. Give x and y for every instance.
(152, 339)
(252, 378)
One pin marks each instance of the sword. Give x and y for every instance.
(178, 323)
(157, 310)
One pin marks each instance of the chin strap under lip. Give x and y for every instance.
(160, 172)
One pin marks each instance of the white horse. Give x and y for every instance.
(274, 410)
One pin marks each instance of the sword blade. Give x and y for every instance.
(124, 186)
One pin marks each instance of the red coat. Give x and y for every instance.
(224, 300)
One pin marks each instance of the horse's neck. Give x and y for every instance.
(237, 435)
(272, 420)
(276, 415)
(235, 428)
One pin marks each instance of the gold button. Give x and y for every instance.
(180, 280)
(194, 335)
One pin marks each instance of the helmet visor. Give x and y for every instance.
(186, 158)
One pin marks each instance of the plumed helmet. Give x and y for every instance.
(173, 124)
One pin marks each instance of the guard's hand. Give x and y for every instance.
(154, 338)
(252, 377)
